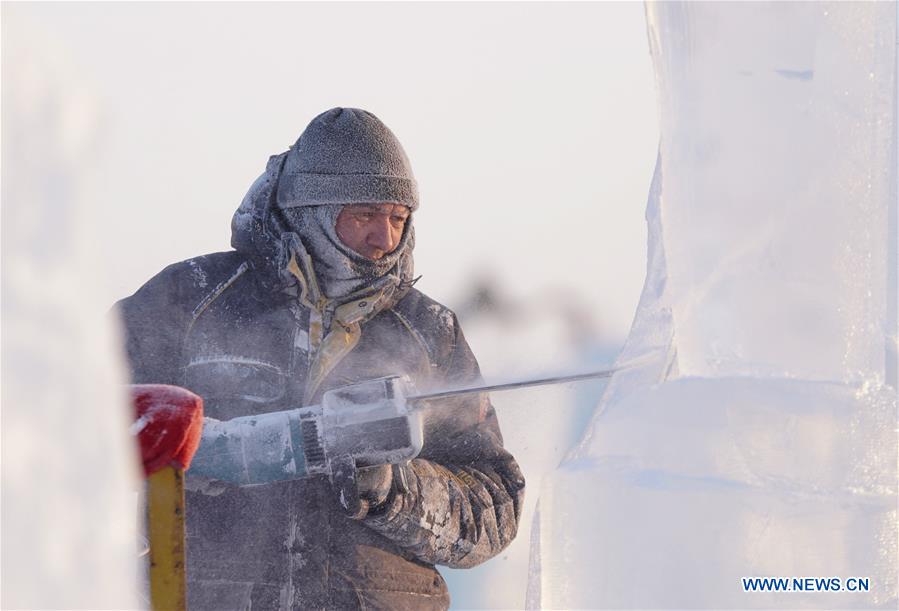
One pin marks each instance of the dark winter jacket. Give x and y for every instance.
(246, 330)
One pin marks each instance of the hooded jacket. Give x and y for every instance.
(250, 332)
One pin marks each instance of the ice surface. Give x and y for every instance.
(539, 424)
(776, 164)
(70, 470)
(764, 442)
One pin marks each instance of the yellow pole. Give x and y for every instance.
(165, 530)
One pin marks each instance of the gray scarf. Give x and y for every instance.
(340, 270)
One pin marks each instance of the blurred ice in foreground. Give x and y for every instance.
(69, 466)
(764, 442)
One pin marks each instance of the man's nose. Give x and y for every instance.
(380, 235)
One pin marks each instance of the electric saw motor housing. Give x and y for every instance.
(361, 425)
(365, 424)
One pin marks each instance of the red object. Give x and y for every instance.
(168, 425)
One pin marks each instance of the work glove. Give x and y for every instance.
(169, 420)
(374, 484)
(362, 490)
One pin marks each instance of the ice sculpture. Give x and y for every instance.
(761, 441)
(70, 470)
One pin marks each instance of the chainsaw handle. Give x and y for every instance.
(343, 478)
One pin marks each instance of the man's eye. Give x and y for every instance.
(365, 216)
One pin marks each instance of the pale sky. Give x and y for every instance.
(531, 127)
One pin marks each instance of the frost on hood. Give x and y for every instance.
(271, 236)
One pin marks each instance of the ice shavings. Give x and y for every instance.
(198, 274)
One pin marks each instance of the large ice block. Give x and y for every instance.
(776, 157)
(761, 440)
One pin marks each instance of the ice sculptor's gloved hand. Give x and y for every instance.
(169, 420)
(374, 484)
(361, 490)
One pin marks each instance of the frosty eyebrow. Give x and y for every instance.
(374, 209)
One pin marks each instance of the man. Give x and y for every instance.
(317, 294)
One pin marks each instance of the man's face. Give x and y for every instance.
(372, 230)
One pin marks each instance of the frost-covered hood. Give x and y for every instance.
(260, 231)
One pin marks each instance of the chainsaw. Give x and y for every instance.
(375, 422)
